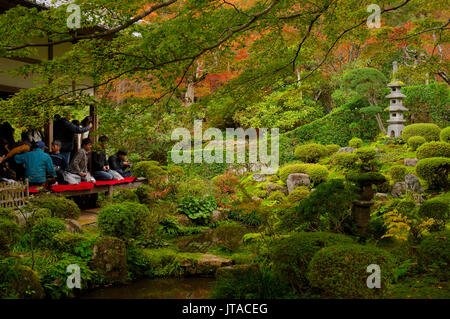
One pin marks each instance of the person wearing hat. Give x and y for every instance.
(38, 164)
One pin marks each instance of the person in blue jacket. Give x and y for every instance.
(38, 164)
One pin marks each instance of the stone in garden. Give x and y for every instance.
(256, 198)
(413, 184)
(411, 162)
(399, 189)
(72, 226)
(255, 167)
(381, 196)
(241, 170)
(346, 150)
(297, 179)
(259, 177)
(183, 220)
(418, 198)
(208, 264)
(109, 258)
(272, 188)
(268, 170)
(217, 216)
(237, 270)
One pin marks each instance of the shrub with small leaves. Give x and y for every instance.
(43, 232)
(433, 149)
(428, 131)
(332, 148)
(445, 134)
(341, 271)
(345, 160)
(66, 242)
(435, 171)
(355, 142)
(398, 173)
(415, 141)
(317, 173)
(150, 170)
(60, 207)
(366, 154)
(310, 153)
(276, 196)
(434, 254)
(298, 194)
(9, 234)
(438, 209)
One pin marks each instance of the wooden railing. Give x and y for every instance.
(14, 195)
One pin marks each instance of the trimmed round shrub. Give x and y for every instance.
(317, 173)
(445, 134)
(398, 173)
(43, 232)
(435, 171)
(9, 234)
(367, 178)
(60, 207)
(298, 194)
(19, 281)
(355, 142)
(428, 131)
(433, 149)
(366, 154)
(150, 170)
(127, 221)
(341, 271)
(415, 141)
(345, 160)
(436, 208)
(332, 148)
(434, 254)
(291, 255)
(67, 242)
(277, 196)
(310, 153)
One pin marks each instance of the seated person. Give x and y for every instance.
(58, 162)
(79, 164)
(38, 164)
(117, 163)
(100, 165)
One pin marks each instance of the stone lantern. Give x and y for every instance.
(396, 107)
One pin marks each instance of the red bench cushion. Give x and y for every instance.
(125, 180)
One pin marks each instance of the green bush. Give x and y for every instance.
(60, 207)
(43, 232)
(175, 172)
(345, 160)
(127, 221)
(67, 242)
(310, 153)
(435, 171)
(250, 282)
(9, 234)
(18, 281)
(150, 170)
(7, 213)
(434, 254)
(332, 148)
(428, 131)
(326, 208)
(126, 195)
(398, 173)
(291, 255)
(198, 208)
(366, 154)
(355, 142)
(436, 208)
(229, 235)
(445, 134)
(145, 194)
(298, 194)
(276, 196)
(341, 271)
(433, 149)
(415, 141)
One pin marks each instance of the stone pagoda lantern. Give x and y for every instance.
(396, 107)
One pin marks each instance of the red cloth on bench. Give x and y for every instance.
(33, 190)
(114, 182)
(80, 187)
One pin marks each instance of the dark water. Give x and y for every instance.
(164, 288)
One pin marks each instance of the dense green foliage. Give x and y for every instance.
(9, 234)
(345, 160)
(436, 208)
(318, 173)
(398, 173)
(445, 134)
(45, 229)
(355, 142)
(433, 149)
(340, 271)
(198, 208)
(415, 141)
(60, 207)
(435, 171)
(434, 254)
(428, 131)
(310, 153)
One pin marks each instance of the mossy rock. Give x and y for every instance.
(109, 259)
(24, 284)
